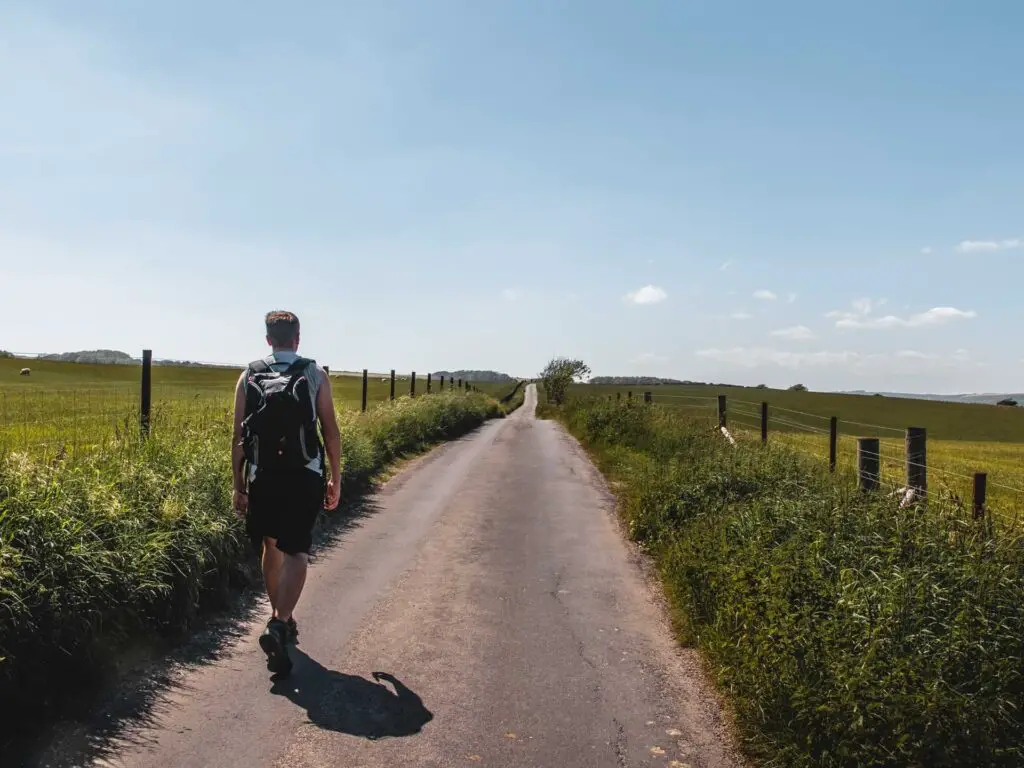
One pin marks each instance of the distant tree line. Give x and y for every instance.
(475, 375)
(108, 356)
(652, 381)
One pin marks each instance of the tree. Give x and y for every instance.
(798, 388)
(559, 374)
(1009, 401)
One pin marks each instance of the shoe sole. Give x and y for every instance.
(277, 656)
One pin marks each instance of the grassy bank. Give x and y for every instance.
(846, 632)
(136, 540)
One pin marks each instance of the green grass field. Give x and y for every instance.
(962, 438)
(842, 629)
(81, 407)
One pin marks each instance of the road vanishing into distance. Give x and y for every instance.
(483, 610)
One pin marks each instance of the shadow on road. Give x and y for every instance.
(351, 704)
(97, 722)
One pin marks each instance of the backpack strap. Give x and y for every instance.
(301, 363)
(259, 366)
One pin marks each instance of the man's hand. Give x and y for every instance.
(240, 500)
(333, 493)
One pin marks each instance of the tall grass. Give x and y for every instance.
(846, 631)
(136, 540)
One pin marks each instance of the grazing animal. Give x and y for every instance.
(26, 372)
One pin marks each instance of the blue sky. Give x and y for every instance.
(732, 191)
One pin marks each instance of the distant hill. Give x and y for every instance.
(116, 357)
(622, 381)
(475, 375)
(107, 356)
(986, 398)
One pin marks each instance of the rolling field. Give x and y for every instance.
(76, 406)
(962, 438)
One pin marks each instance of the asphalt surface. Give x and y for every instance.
(512, 622)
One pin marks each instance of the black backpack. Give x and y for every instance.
(279, 429)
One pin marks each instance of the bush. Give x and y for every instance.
(559, 373)
(847, 631)
(137, 540)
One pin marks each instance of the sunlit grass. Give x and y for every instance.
(79, 408)
(845, 630)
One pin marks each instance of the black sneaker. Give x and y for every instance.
(293, 631)
(274, 641)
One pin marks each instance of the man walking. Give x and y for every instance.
(281, 480)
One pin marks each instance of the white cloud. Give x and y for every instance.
(926, 250)
(861, 316)
(791, 299)
(740, 316)
(863, 306)
(796, 333)
(765, 295)
(932, 317)
(649, 294)
(987, 246)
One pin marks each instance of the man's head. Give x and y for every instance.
(282, 330)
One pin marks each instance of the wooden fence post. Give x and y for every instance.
(460, 382)
(647, 397)
(327, 370)
(722, 421)
(868, 463)
(917, 462)
(412, 385)
(833, 440)
(365, 372)
(980, 486)
(146, 404)
(392, 383)
(428, 383)
(629, 395)
(441, 385)
(618, 397)
(764, 423)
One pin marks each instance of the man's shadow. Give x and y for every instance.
(352, 704)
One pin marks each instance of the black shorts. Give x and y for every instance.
(284, 506)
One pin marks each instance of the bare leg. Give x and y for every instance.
(289, 584)
(273, 559)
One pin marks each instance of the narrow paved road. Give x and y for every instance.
(513, 625)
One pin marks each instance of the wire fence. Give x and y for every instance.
(984, 478)
(57, 407)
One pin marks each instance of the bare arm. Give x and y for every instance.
(332, 437)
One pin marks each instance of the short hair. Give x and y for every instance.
(282, 327)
